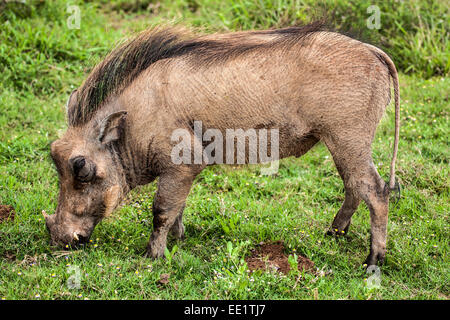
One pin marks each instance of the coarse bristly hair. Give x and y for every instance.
(126, 62)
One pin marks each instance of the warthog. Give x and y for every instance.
(308, 83)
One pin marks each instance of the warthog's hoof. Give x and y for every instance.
(153, 255)
(335, 232)
(155, 250)
(374, 259)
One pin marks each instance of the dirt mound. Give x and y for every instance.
(6, 213)
(272, 256)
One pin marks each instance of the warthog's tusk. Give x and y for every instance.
(44, 214)
(75, 236)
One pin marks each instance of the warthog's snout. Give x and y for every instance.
(64, 235)
(79, 239)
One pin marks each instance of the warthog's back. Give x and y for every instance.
(326, 80)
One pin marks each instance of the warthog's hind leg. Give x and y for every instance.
(353, 160)
(343, 218)
(376, 196)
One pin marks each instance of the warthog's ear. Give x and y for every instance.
(71, 102)
(112, 127)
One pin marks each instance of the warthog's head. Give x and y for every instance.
(91, 180)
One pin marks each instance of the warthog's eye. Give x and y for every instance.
(82, 168)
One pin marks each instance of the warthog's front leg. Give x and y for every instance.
(168, 205)
(177, 229)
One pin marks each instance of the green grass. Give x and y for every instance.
(229, 210)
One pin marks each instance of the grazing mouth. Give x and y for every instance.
(79, 239)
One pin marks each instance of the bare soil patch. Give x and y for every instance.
(6, 213)
(272, 256)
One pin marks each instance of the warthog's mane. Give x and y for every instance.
(127, 61)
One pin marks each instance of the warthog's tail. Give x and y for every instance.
(393, 73)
